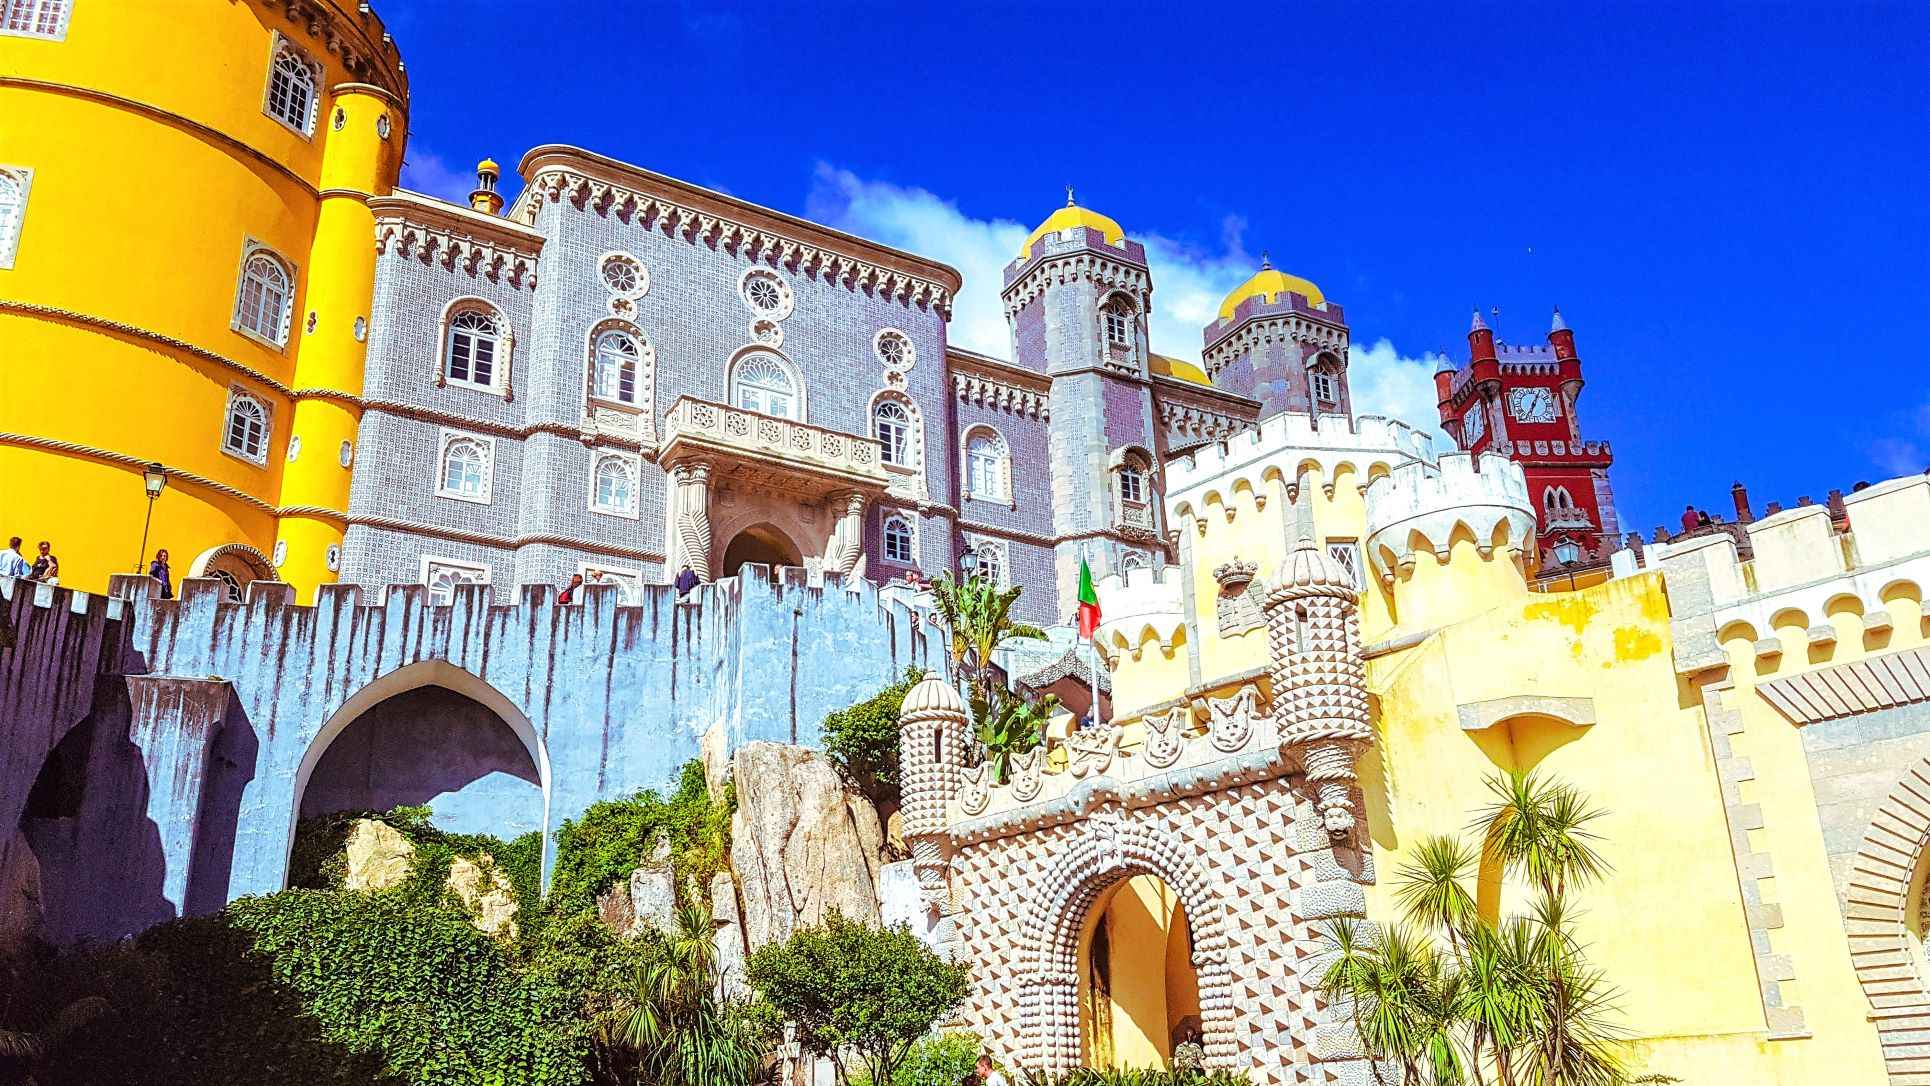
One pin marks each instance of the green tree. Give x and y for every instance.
(862, 740)
(856, 990)
(978, 614)
(673, 1023)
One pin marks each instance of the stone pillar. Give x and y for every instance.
(1319, 678)
(173, 723)
(844, 553)
(690, 519)
(931, 745)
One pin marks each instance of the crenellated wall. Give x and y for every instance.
(209, 716)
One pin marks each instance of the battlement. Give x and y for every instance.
(1286, 304)
(1283, 443)
(1141, 603)
(1579, 451)
(1425, 505)
(1074, 239)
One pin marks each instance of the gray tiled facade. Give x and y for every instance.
(546, 433)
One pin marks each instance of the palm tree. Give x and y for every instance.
(979, 615)
(674, 1025)
(1539, 831)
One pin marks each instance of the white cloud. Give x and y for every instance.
(1188, 281)
(1905, 455)
(426, 172)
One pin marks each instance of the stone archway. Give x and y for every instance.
(236, 565)
(413, 677)
(765, 543)
(1108, 851)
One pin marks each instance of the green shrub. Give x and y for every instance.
(862, 740)
(943, 1060)
(1135, 1076)
(612, 837)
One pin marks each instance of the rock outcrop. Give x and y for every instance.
(485, 894)
(647, 900)
(801, 844)
(731, 950)
(378, 856)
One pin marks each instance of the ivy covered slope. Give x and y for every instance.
(397, 986)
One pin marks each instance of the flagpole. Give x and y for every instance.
(1093, 643)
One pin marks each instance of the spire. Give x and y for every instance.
(1266, 260)
(1479, 325)
(1446, 364)
(1558, 325)
(1069, 200)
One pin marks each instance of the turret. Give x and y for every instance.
(1417, 515)
(1444, 384)
(485, 198)
(1319, 678)
(1487, 371)
(1563, 341)
(931, 745)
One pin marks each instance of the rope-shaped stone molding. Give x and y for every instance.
(1108, 852)
(175, 475)
(608, 550)
(91, 321)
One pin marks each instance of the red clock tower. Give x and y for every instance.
(1519, 401)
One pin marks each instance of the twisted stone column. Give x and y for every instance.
(846, 552)
(692, 479)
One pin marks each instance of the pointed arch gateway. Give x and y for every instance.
(1108, 852)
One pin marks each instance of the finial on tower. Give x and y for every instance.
(1266, 260)
(1558, 325)
(1069, 201)
(485, 198)
(1479, 325)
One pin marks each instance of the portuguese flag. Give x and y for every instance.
(1088, 602)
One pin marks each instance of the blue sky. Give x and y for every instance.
(1731, 204)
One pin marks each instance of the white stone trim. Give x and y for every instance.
(1004, 482)
(909, 360)
(643, 274)
(236, 394)
(791, 370)
(448, 437)
(908, 479)
(250, 248)
(316, 87)
(633, 464)
(983, 544)
(23, 176)
(786, 299)
(505, 344)
(887, 514)
(636, 420)
(432, 564)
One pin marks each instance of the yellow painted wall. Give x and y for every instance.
(1153, 983)
(148, 180)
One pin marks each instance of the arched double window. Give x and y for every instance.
(465, 467)
(264, 296)
(244, 433)
(899, 546)
(763, 383)
(614, 357)
(293, 88)
(988, 558)
(472, 348)
(1118, 316)
(613, 484)
(1133, 487)
(13, 210)
(891, 424)
(988, 474)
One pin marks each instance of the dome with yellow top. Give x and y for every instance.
(1070, 216)
(1268, 284)
(1180, 369)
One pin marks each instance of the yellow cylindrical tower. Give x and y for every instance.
(161, 245)
(361, 159)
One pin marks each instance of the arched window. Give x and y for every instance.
(1326, 388)
(263, 299)
(13, 209)
(1133, 560)
(465, 470)
(991, 562)
(759, 382)
(986, 476)
(245, 433)
(292, 87)
(898, 545)
(1132, 482)
(469, 358)
(892, 424)
(1118, 315)
(615, 486)
(34, 18)
(613, 368)
(1556, 499)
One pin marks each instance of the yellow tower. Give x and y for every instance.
(186, 264)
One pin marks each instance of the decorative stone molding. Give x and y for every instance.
(1477, 715)
(1187, 423)
(985, 391)
(808, 457)
(1299, 330)
(1860, 686)
(591, 183)
(1080, 266)
(433, 232)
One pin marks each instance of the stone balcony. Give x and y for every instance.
(762, 450)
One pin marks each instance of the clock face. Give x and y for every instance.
(1532, 404)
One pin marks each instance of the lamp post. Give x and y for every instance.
(1566, 552)
(155, 478)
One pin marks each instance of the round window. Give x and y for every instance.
(382, 126)
(624, 276)
(767, 294)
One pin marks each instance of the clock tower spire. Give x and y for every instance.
(1520, 401)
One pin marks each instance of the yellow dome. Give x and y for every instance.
(1268, 283)
(1070, 216)
(1181, 369)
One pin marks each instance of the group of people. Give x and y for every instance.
(44, 567)
(685, 581)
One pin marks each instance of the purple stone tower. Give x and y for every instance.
(1279, 340)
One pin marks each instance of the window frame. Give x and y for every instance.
(502, 341)
(251, 249)
(487, 445)
(1326, 388)
(734, 382)
(1001, 464)
(317, 78)
(1118, 308)
(998, 552)
(23, 177)
(429, 562)
(1353, 564)
(8, 8)
(597, 338)
(633, 468)
(903, 424)
(237, 396)
(903, 521)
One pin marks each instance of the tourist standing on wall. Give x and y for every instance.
(569, 590)
(686, 581)
(12, 562)
(158, 570)
(46, 566)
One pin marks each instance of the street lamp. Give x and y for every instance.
(1567, 552)
(155, 478)
(968, 562)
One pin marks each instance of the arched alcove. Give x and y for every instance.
(1519, 743)
(764, 543)
(1138, 989)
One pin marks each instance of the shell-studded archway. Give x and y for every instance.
(1108, 851)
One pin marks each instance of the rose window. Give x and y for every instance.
(767, 294)
(624, 276)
